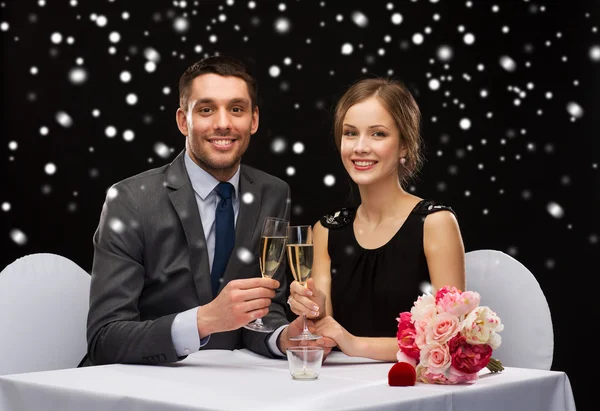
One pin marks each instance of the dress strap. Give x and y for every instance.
(425, 207)
(339, 218)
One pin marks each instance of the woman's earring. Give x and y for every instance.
(402, 160)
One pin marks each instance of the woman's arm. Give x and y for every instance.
(444, 251)
(376, 348)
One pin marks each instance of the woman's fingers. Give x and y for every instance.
(303, 305)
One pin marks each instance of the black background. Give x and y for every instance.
(524, 181)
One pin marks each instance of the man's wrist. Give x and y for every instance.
(281, 340)
(205, 322)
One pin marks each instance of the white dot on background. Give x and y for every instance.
(290, 171)
(282, 25)
(13, 145)
(555, 210)
(274, 71)
(465, 123)
(56, 38)
(574, 109)
(18, 236)
(298, 148)
(96, 112)
(131, 98)
(125, 76)
(116, 225)
(347, 49)
(278, 145)
(110, 131)
(397, 18)
(114, 37)
(128, 135)
(360, 19)
(434, 84)
(4, 26)
(50, 169)
(150, 66)
(77, 75)
(595, 53)
(64, 119)
(329, 180)
(469, 38)
(161, 150)
(417, 38)
(44, 131)
(101, 21)
(181, 24)
(112, 193)
(248, 198)
(5, 206)
(33, 70)
(444, 53)
(244, 255)
(508, 63)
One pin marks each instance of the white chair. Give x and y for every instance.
(512, 291)
(44, 302)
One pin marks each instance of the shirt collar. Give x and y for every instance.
(204, 183)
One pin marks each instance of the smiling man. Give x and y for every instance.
(174, 266)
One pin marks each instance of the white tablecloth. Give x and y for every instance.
(242, 380)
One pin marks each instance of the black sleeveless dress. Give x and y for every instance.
(370, 287)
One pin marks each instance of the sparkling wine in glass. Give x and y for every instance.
(300, 258)
(271, 250)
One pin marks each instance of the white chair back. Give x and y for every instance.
(44, 301)
(512, 291)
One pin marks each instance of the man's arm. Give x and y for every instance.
(115, 333)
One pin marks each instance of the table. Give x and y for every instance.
(243, 380)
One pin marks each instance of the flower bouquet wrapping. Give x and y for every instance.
(448, 337)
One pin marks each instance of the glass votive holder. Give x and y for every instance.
(305, 362)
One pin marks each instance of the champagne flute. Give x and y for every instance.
(272, 246)
(300, 259)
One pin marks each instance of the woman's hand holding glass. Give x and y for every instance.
(309, 300)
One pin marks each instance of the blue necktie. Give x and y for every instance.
(224, 234)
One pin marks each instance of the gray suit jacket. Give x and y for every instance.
(150, 263)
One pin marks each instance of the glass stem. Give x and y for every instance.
(305, 331)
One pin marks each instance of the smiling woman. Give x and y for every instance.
(394, 245)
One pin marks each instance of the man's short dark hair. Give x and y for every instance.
(222, 66)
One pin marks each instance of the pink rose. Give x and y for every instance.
(469, 358)
(441, 328)
(428, 376)
(405, 321)
(436, 357)
(406, 336)
(401, 357)
(455, 302)
(406, 343)
(445, 290)
(458, 377)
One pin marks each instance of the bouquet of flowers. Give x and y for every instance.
(448, 337)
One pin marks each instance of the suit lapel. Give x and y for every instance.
(184, 201)
(246, 225)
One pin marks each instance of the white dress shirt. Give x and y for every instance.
(184, 330)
